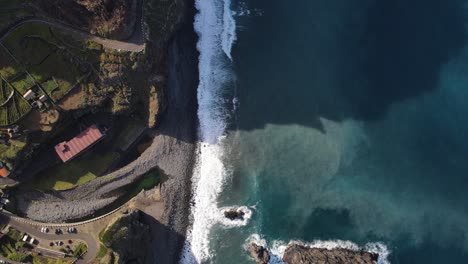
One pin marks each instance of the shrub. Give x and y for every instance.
(79, 250)
(19, 257)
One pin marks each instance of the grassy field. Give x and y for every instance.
(12, 105)
(9, 153)
(8, 67)
(22, 82)
(76, 172)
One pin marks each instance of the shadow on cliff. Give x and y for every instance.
(179, 118)
(166, 244)
(350, 61)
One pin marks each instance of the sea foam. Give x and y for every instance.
(215, 26)
(279, 247)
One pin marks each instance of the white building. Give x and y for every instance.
(29, 94)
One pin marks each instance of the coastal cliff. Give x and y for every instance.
(297, 254)
(128, 238)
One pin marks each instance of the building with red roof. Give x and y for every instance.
(68, 150)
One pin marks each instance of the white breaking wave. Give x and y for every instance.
(278, 248)
(229, 29)
(215, 26)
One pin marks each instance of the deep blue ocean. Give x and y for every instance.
(349, 122)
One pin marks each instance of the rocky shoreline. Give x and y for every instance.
(298, 254)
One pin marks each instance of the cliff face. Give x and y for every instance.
(296, 254)
(129, 238)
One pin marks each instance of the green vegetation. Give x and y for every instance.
(34, 45)
(14, 234)
(79, 250)
(8, 67)
(50, 85)
(147, 181)
(9, 153)
(76, 172)
(10, 243)
(12, 105)
(22, 82)
(36, 259)
(19, 257)
(128, 134)
(102, 251)
(51, 61)
(162, 16)
(11, 10)
(43, 260)
(113, 232)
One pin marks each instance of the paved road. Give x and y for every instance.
(35, 232)
(107, 43)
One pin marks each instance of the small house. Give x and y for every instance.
(43, 98)
(29, 95)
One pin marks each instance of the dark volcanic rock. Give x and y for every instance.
(234, 214)
(259, 253)
(296, 254)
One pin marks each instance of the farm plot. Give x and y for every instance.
(42, 52)
(12, 105)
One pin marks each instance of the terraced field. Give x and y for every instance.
(12, 105)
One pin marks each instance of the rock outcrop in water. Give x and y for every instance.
(234, 214)
(297, 254)
(259, 253)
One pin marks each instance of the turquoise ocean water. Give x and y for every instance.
(343, 121)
